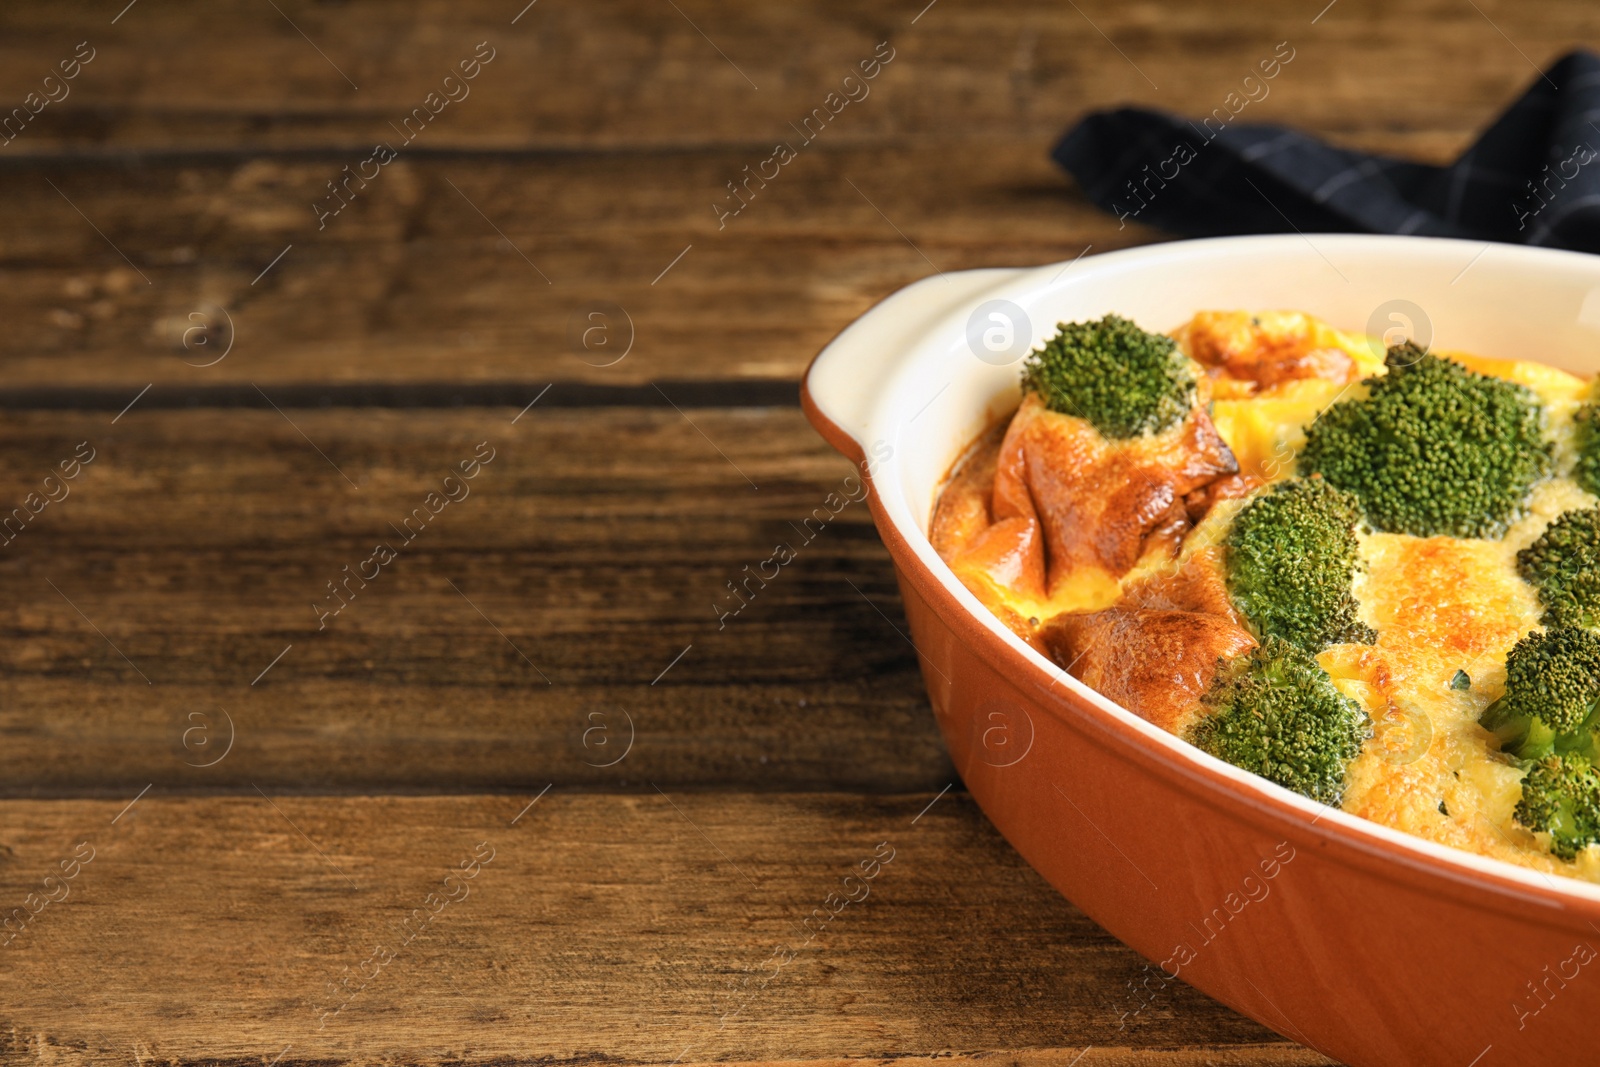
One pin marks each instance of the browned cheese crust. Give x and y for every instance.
(988, 556)
(1098, 501)
(1156, 651)
(1258, 351)
(1155, 663)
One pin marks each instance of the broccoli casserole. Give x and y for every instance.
(1370, 576)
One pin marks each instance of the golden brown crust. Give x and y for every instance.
(1229, 487)
(979, 549)
(1097, 501)
(1448, 599)
(962, 511)
(1197, 584)
(1262, 350)
(1155, 662)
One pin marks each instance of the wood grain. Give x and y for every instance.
(597, 546)
(237, 77)
(414, 284)
(595, 160)
(604, 929)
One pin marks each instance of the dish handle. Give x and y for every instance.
(845, 382)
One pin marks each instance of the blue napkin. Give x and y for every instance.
(1532, 178)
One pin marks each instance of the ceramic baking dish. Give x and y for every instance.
(1367, 944)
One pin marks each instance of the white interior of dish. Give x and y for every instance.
(905, 383)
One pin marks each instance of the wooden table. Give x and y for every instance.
(641, 805)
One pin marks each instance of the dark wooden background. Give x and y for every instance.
(257, 836)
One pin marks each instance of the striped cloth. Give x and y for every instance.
(1532, 178)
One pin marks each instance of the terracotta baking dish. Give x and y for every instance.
(1369, 945)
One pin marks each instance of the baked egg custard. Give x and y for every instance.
(1369, 575)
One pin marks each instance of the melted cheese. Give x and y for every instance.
(1266, 431)
(1443, 604)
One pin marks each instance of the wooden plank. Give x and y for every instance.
(570, 77)
(599, 181)
(412, 283)
(597, 546)
(648, 929)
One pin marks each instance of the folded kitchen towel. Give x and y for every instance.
(1532, 178)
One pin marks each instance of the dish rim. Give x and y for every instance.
(1483, 880)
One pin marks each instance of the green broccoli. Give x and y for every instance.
(1561, 796)
(1434, 449)
(1124, 381)
(1276, 713)
(1564, 565)
(1587, 469)
(1552, 692)
(1546, 721)
(1291, 557)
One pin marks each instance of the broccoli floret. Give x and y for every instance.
(1124, 381)
(1291, 557)
(1276, 713)
(1547, 720)
(1434, 449)
(1564, 565)
(1552, 692)
(1561, 795)
(1587, 470)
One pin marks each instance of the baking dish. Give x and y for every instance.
(1369, 945)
